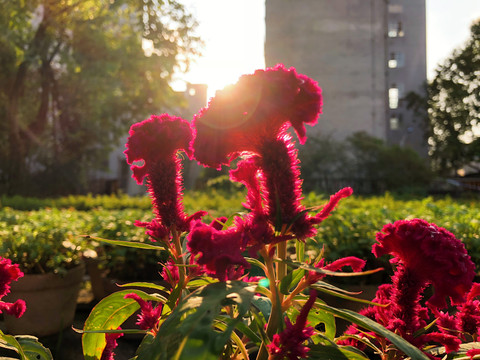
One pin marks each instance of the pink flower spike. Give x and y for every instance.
(355, 263)
(248, 173)
(149, 316)
(333, 202)
(111, 339)
(290, 342)
(156, 141)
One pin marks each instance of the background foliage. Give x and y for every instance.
(453, 103)
(350, 231)
(364, 162)
(72, 74)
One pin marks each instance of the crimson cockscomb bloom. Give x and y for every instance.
(111, 344)
(149, 315)
(242, 116)
(251, 119)
(290, 342)
(156, 141)
(10, 272)
(466, 321)
(355, 263)
(428, 254)
(424, 254)
(220, 251)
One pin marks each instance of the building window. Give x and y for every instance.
(395, 9)
(393, 97)
(396, 60)
(395, 29)
(394, 122)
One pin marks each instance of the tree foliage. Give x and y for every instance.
(454, 108)
(364, 162)
(74, 74)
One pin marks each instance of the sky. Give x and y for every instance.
(234, 32)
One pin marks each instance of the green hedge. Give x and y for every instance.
(350, 230)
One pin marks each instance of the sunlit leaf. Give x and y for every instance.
(108, 314)
(189, 329)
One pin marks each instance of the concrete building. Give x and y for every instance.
(365, 54)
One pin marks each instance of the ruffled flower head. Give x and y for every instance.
(240, 117)
(251, 118)
(220, 251)
(10, 272)
(432, 254)
(156, 141)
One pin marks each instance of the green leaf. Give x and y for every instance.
(364, 322)
(332, 352)
(317, 316)
(145, 285)
(33, 349)
(304, 266)
(108, 314)
(291, 280)
(28, 347)
(130, 244)
(264, 305)
(243, 328)
(256, 263)
(341, 293)
(188, 333)
(300, 251)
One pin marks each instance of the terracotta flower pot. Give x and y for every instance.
(51, 302)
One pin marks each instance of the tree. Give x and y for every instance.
(364, 162)
(74, 75)
(454, 108)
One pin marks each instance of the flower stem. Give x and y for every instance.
(178, 258)
(275, 314)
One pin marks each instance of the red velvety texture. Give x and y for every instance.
(220, 251)
(433, 254)
(240, 117)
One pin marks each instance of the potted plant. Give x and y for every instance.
(49, 255)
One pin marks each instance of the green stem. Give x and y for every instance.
(275, 313)
(178, 258)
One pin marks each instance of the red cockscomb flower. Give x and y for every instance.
(252, 117)
(241, 117)
(220, 251)
(156, 142)
(10, 272)
(432, 254)
(111, 340)
(149, 315)
(290, 342)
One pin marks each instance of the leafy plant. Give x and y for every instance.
(41, 242)
(210, 305)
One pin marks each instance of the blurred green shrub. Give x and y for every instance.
(48, 238)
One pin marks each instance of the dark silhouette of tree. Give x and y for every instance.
(74, 76)
(453, 103)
